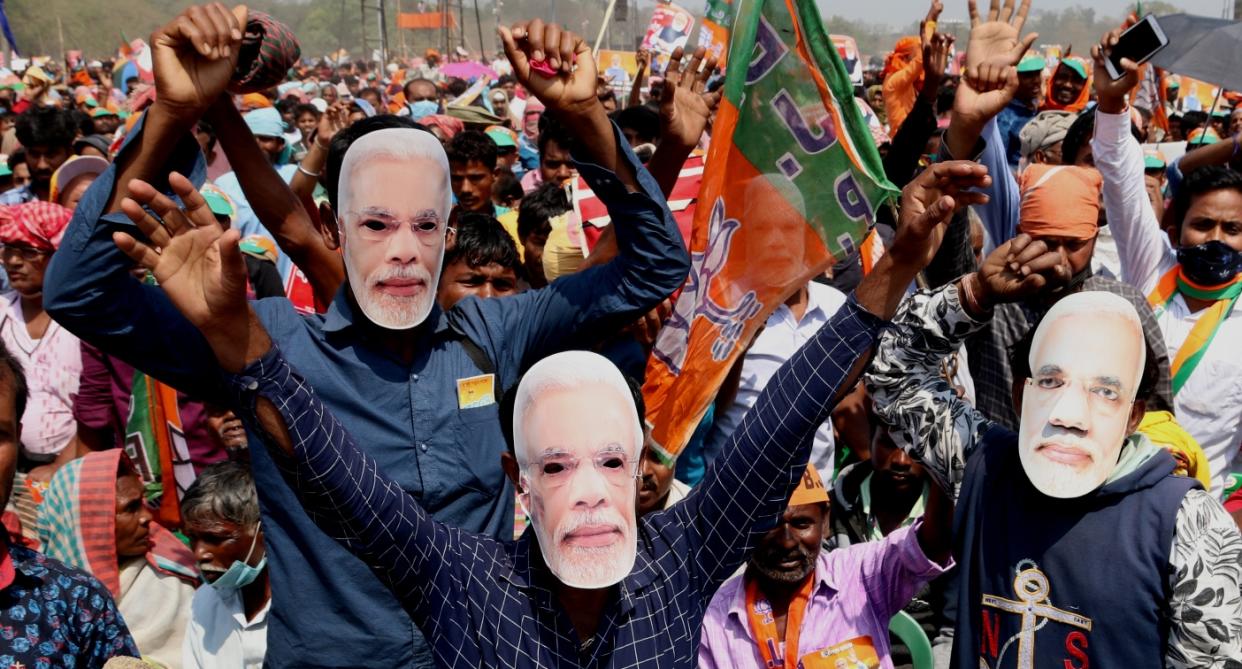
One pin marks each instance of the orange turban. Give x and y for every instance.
(1060, 201)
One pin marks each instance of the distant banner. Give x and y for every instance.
(426, 20)
(618, 67)
(669, 29)
(793, 183)
(847, 49)
(714, 31)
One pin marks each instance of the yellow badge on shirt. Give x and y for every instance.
(476, 391)
(857, 653)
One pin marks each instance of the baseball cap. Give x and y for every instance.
(217, 201)
(502, 136)
(1075, 65)
(72, 169)
(95, 141)
(1031, 64)
(1153, 159)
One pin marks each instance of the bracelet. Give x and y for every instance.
(303, 170)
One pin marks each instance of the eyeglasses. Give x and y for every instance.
(554, 471)
(376, 226)
(25, 252)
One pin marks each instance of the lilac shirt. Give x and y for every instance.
(857, 591)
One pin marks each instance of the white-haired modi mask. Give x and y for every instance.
(394, 205)
(1087, 358)
(577, 439)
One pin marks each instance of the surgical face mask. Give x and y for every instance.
(1210, 264)
(423, 108)
(240, 574)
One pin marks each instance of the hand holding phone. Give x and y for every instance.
(1138, 43)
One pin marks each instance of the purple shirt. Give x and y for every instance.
(102, 403)
(857, 591)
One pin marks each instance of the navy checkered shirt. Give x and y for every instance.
(484, 602)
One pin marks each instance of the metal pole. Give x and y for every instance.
(362, 22)
(478, 23)
(612, 4)
(383, 26)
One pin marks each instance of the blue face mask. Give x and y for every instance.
(240, 574)
(423, 108)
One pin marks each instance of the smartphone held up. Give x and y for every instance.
(1139, 43)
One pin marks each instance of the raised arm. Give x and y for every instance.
(685, 110)
(88, 288)
(275, 204)
(652, 261)
(201, 269)
(1143, 247)
(924, 415)
(749, 485)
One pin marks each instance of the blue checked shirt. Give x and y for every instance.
(482, 602)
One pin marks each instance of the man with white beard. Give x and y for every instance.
(418, 386)
(1076, 543)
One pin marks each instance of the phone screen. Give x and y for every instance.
(1138, 44)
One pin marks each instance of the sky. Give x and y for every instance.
(895, 12)
(883, 11)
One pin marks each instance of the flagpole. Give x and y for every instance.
(612, 4)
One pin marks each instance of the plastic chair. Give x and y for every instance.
(904, 627)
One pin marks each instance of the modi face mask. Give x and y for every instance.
(1086, 361)
(577, 439)
(394, 206)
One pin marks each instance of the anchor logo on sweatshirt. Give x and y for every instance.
(1031, 588)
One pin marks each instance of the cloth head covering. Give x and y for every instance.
(251, 101)
(365, 106)
(102, 111)
(472, 115)
(268, 51)
(1164, 431)
(810, 490)
(906, 50)
(265, 122)
(1046, 129)
(98, 142)
(77, 523)
(447, 124)
(39, 225)
(1060, 201)
(1079, 68)
(72, 169)
(565, 249)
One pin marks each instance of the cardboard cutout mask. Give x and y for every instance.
(577, 441)
(394, 207)
(1086, 361)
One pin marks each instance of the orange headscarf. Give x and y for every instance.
(1060, 201)
(1083, 97)
(903, 78)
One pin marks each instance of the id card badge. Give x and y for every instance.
(476, 391)
(857, 653)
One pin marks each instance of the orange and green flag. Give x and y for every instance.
(792, 183)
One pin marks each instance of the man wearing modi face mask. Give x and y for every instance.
(418, 385)
(1073, 488)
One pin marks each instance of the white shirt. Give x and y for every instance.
(1209, 405)
(53, 366)
(781, 337)
(218, 634)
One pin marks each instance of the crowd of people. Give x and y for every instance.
(308, 364)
